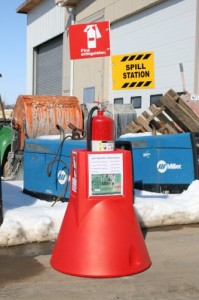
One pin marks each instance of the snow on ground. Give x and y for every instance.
(27, 219)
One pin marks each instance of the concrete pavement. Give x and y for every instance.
(25, 272)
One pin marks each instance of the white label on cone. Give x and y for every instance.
(105, 174)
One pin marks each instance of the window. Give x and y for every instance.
(89, 94)
(136, 101)
(118, 100)
(155, 98)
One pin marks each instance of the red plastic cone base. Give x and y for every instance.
(100, 236)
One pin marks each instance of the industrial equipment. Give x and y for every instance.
(164, 163)
(46, 167)
(40, 153)
(35, 116)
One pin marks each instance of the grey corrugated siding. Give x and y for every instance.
(49, 67)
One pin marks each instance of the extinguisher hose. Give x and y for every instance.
(89, 127)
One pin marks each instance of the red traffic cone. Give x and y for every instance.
(100, 235)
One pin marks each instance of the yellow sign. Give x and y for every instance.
(133, 71)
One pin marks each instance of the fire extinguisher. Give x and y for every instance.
(100, 131)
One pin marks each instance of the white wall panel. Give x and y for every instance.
(169, 30)
(44, 22)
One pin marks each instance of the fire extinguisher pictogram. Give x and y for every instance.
(100, 131)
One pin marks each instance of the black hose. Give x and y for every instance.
(50, 167)
(51, 163)
(89, 128)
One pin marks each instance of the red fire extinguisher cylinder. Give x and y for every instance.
(102, 132)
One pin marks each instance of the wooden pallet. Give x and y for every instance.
(169, 115)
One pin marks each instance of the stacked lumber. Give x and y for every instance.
(169, 115)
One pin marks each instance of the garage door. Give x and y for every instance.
(49, 67)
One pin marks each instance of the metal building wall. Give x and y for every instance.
(44, 22)
(169, 30)
(125, 15)
(196, 83)
(95, 72)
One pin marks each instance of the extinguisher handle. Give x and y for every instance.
(89, 127)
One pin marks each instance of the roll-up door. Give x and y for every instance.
(49, 67)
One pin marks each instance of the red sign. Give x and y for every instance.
(89, 40)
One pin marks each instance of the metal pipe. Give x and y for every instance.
(71, 62)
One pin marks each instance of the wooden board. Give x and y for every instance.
(170, 114)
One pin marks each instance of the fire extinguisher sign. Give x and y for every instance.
(105, 174)
(89, 40)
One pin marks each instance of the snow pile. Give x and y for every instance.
(27, 219)
(159, 210)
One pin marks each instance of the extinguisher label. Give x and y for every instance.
(105, 174)
(103, 145)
